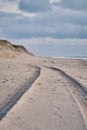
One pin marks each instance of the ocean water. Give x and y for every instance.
(73, 57)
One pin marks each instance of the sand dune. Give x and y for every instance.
(9, 50)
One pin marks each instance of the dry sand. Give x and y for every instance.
(16, 77)
(53, 102)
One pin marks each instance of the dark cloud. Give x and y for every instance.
(73, 4)
(46, 25)
(57, 23)
(34, 6)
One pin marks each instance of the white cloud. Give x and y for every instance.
(11, 6)
(49, 41)
(54, 1)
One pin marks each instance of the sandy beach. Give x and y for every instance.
(52, 94)
(38, 93)
(43, 64)
(45, 105)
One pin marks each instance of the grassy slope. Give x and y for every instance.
(4, 44)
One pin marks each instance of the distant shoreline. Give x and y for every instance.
(72, 57)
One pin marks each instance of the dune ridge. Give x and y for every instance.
(9, 50)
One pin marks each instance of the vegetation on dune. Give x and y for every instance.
(6, 44)
(11, 49)
(20, 48)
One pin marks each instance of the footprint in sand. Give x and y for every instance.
(39, 83)
(31, 99)
(57, 108)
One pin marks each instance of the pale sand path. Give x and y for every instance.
(47, 105)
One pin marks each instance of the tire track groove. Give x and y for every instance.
(13, 100)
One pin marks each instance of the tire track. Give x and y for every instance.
(76, 84)
(13, 100)
(78, 91)
(47, 105)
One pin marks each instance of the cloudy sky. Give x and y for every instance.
(46, 27)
